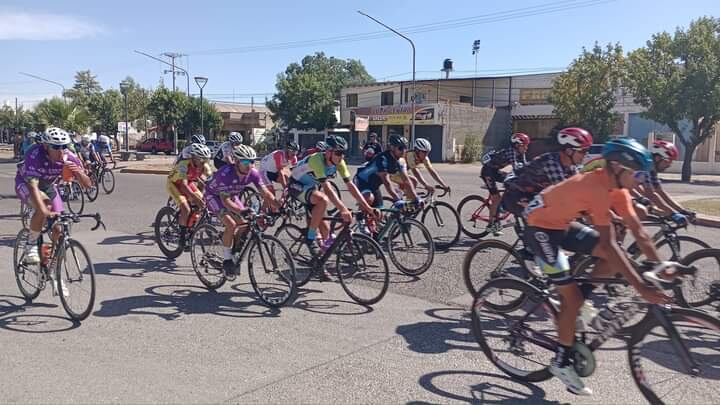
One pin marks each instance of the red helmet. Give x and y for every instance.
(666, 150)
(519, 138)
(575, 137)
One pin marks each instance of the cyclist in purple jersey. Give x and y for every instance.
(222, 197)
(35, 182)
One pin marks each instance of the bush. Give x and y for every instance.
(472, 150)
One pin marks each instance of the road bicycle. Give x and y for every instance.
(474, 213)
(72, 195)
(167, 229)
(270, 264)
(64, 264)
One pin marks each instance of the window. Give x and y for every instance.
(407, 91)
(466, 99)
(386, 98)
(534, 96)
(351, 100)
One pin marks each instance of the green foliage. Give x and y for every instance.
(106, 111)
(86, 85)
(306, 92)
(584, 96)
(677, 78)
(472, 149)
(57, 113)
(191, 121)
(168, 108)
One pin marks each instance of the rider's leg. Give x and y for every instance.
(319, 202)
(227, 239)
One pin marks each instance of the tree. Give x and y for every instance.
(168, 108)
(86, 85)
(584, 96)
(56, 113)
(306, 92)
(106, 110)
(191, 122)
(677, 78)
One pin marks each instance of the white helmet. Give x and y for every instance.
(85, 139)
(104, 139)
(235, 137)
(56, 136)
(422, 145)
(199, 150)
(244, 152)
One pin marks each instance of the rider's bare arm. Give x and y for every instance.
(357, 195)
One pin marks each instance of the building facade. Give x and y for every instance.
(251, 120)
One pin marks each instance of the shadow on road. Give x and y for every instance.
(451, 331)
(16, 315)
(474, 387)
(141, 265)
(171, 302)
(9, 241)
(138, 239)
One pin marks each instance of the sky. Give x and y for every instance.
(241, 46)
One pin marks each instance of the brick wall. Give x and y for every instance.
(463, 120)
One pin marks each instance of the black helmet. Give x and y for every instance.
(321, 145)
(336, 142)
(398, 141)
(292, 146)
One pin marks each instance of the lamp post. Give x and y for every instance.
(124, 87)
(201, 81)
(412, 99)
(49, 81)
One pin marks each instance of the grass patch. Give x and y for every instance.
(707, 206)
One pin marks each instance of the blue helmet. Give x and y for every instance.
(628, 152)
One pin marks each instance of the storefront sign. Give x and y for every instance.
(399, 114)
(362, 123)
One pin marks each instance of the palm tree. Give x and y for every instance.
(56, 113)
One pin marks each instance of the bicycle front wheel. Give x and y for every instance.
(26, 276)
(293, 237)
(490, 259)
(362, 269)
(92, 191)
(75, 278)
(704, 287)
(474, 213)
(410, 246)
(107, 179)
(443, 222)
(521, 339)
(26, 212)
(206, 254)
(272, 271)
(167, 232)
(678, 364)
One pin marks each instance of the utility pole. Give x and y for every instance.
(172, 56)
(476, 51)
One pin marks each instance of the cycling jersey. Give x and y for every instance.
(183, 170)
(410, 161)
(87, 151)
(313, 170)
(275, 161)
(227, 182)
(651, 181)
(585, 194)
(37, 169)
(224, 150)
(367, 174)
(501, 158)
(371, 149)
(309, 151)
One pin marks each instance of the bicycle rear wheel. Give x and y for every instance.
(362, 269)
(75, 278)
(443, 222)
(272, 271)
(26, 276)
(167, 232)
(293, 237)
(206, 254)
(410, 246)
(75, 198)
(92, 191)
(26, 212)
(521, 339)
(474, 213)
(107, 179)
(704, 287)
(662, 372)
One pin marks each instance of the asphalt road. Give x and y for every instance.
(157, 336)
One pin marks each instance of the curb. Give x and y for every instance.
(146, 171)
(708, 221)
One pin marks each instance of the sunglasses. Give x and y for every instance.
(58, 147)
(246, 162)
(583, 151)
(339, 152)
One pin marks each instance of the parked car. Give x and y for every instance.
(595, 152)
(213, 145)
(155, 145)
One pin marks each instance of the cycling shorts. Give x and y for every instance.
(216, 206)
(548, 245)
(51, 194)
(491, 176)
(178, 196)
(366, 188)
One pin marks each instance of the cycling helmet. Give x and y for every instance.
(336, 142)
(235, 137)
(85, 139)
(198, 138)
(666, 150)
(242, 152)
(32, 135)
(199, 150)
(574, 137)
(398, 141)
(322, 146)
(104, 139)
(628, 152)
(422, 145)
(519, 138)
(292, 146)
(56, 136)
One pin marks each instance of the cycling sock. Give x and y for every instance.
(586, 289)
(32, 239)
(311, 234)
(562, 356)
(227, 253)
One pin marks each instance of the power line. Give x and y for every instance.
(546, 8)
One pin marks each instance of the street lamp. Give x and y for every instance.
(201, 81)
(49, 81)
(124, 87)
(412, 99)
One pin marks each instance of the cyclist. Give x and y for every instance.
(30, 139)
(224, 154)
(181, 184)
(552, 228)
(491, 173)
(222, 196)
(412, 161)
(35, 182)
(372, 147)
(272, 166)
(321, 146)
(547, 169)
(378, 171)
(104, 146)
(87, 151)
(308, 183)
(186, 154)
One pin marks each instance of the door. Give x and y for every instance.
(432, 133)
